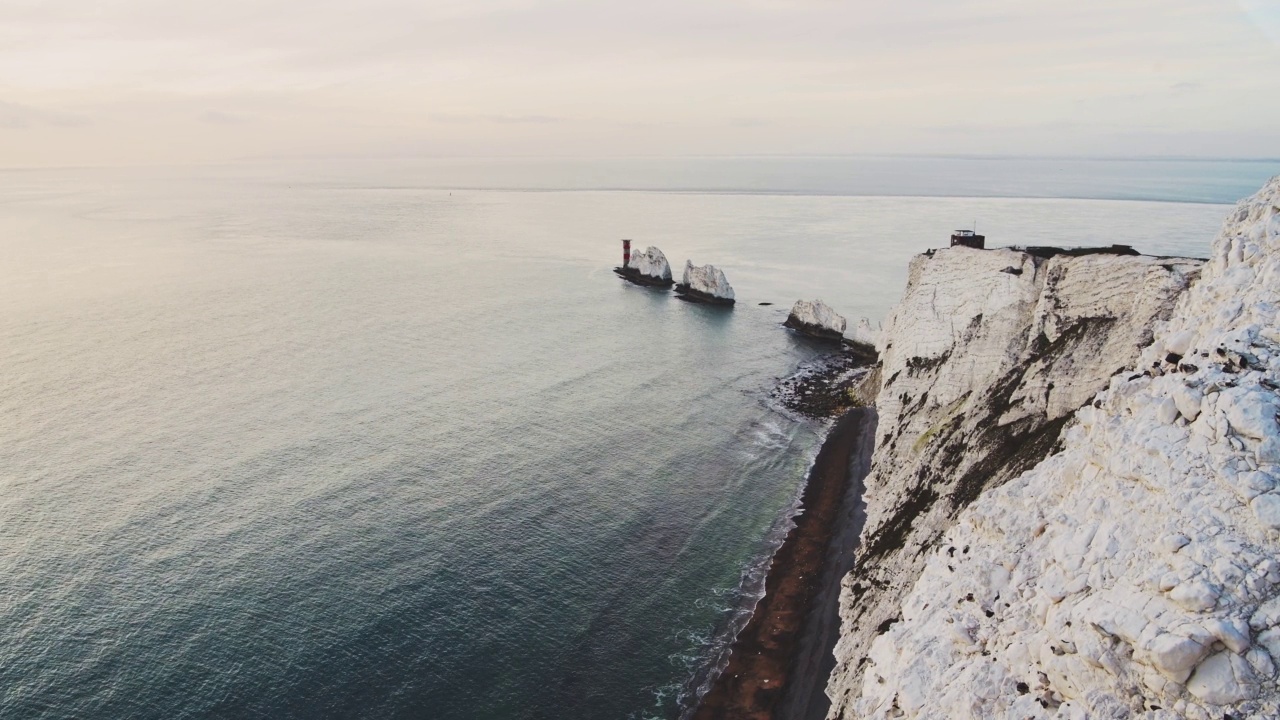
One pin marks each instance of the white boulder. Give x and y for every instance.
(1223, 679)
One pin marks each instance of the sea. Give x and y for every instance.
(386, 438)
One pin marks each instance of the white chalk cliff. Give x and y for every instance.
(1137, 572)
(651, 263)
(708, 280)
(816, 315)
(1123, 572)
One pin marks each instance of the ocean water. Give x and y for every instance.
(389, 439)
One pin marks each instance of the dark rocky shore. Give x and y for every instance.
(827, 387)
(816, 331)
(640, 278)
(776, 666)
(684, 292)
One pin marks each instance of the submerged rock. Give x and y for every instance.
(705, 284)
(647, 268)
(826, 387)
(816, 318)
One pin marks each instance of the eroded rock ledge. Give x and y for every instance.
(985, 361)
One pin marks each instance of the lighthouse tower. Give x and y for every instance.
(626, 252)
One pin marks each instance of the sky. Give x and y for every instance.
(105, 82)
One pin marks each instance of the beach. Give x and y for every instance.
(779, 662)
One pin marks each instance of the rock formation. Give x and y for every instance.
(647, 268)
(864, 334)
(705, 284)
(817, 319)
(985, 361)
(1137, 571)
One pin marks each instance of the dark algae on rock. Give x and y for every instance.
(828, 386)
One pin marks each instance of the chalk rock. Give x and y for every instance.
(1139, 553)
(706, 281)
(1179, 343)
(1251, 413)
(651, 264)
(1187, 400)
(1223, 679)
(816, 318)
(1176, 655)
(1267, 509)
(864, 334)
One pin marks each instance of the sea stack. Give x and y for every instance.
(816, 319)
(865, 334)
(706, 284)
(646, 268)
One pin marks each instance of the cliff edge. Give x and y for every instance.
(985, 362)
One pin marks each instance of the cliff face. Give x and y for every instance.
(1136, 572)
(984, 362)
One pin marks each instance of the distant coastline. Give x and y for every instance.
(1217, 181)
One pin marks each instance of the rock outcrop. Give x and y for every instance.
(705, 284)
(816, 318)
(864, 334)
(648, 268)
(985, 360)
(1137, 571)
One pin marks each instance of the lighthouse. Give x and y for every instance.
(626, 252)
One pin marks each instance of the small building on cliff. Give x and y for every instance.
(968, 238)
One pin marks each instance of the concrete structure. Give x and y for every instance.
(968, 238)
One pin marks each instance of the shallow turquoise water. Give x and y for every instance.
(342, 442)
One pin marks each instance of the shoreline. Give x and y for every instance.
(776, 661)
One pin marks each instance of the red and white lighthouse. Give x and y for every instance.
(626, 252)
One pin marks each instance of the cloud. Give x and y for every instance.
(496, 119)
(976, 128)
(218, 117)
(14, 116)
(591, 77)
(1265, 16)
